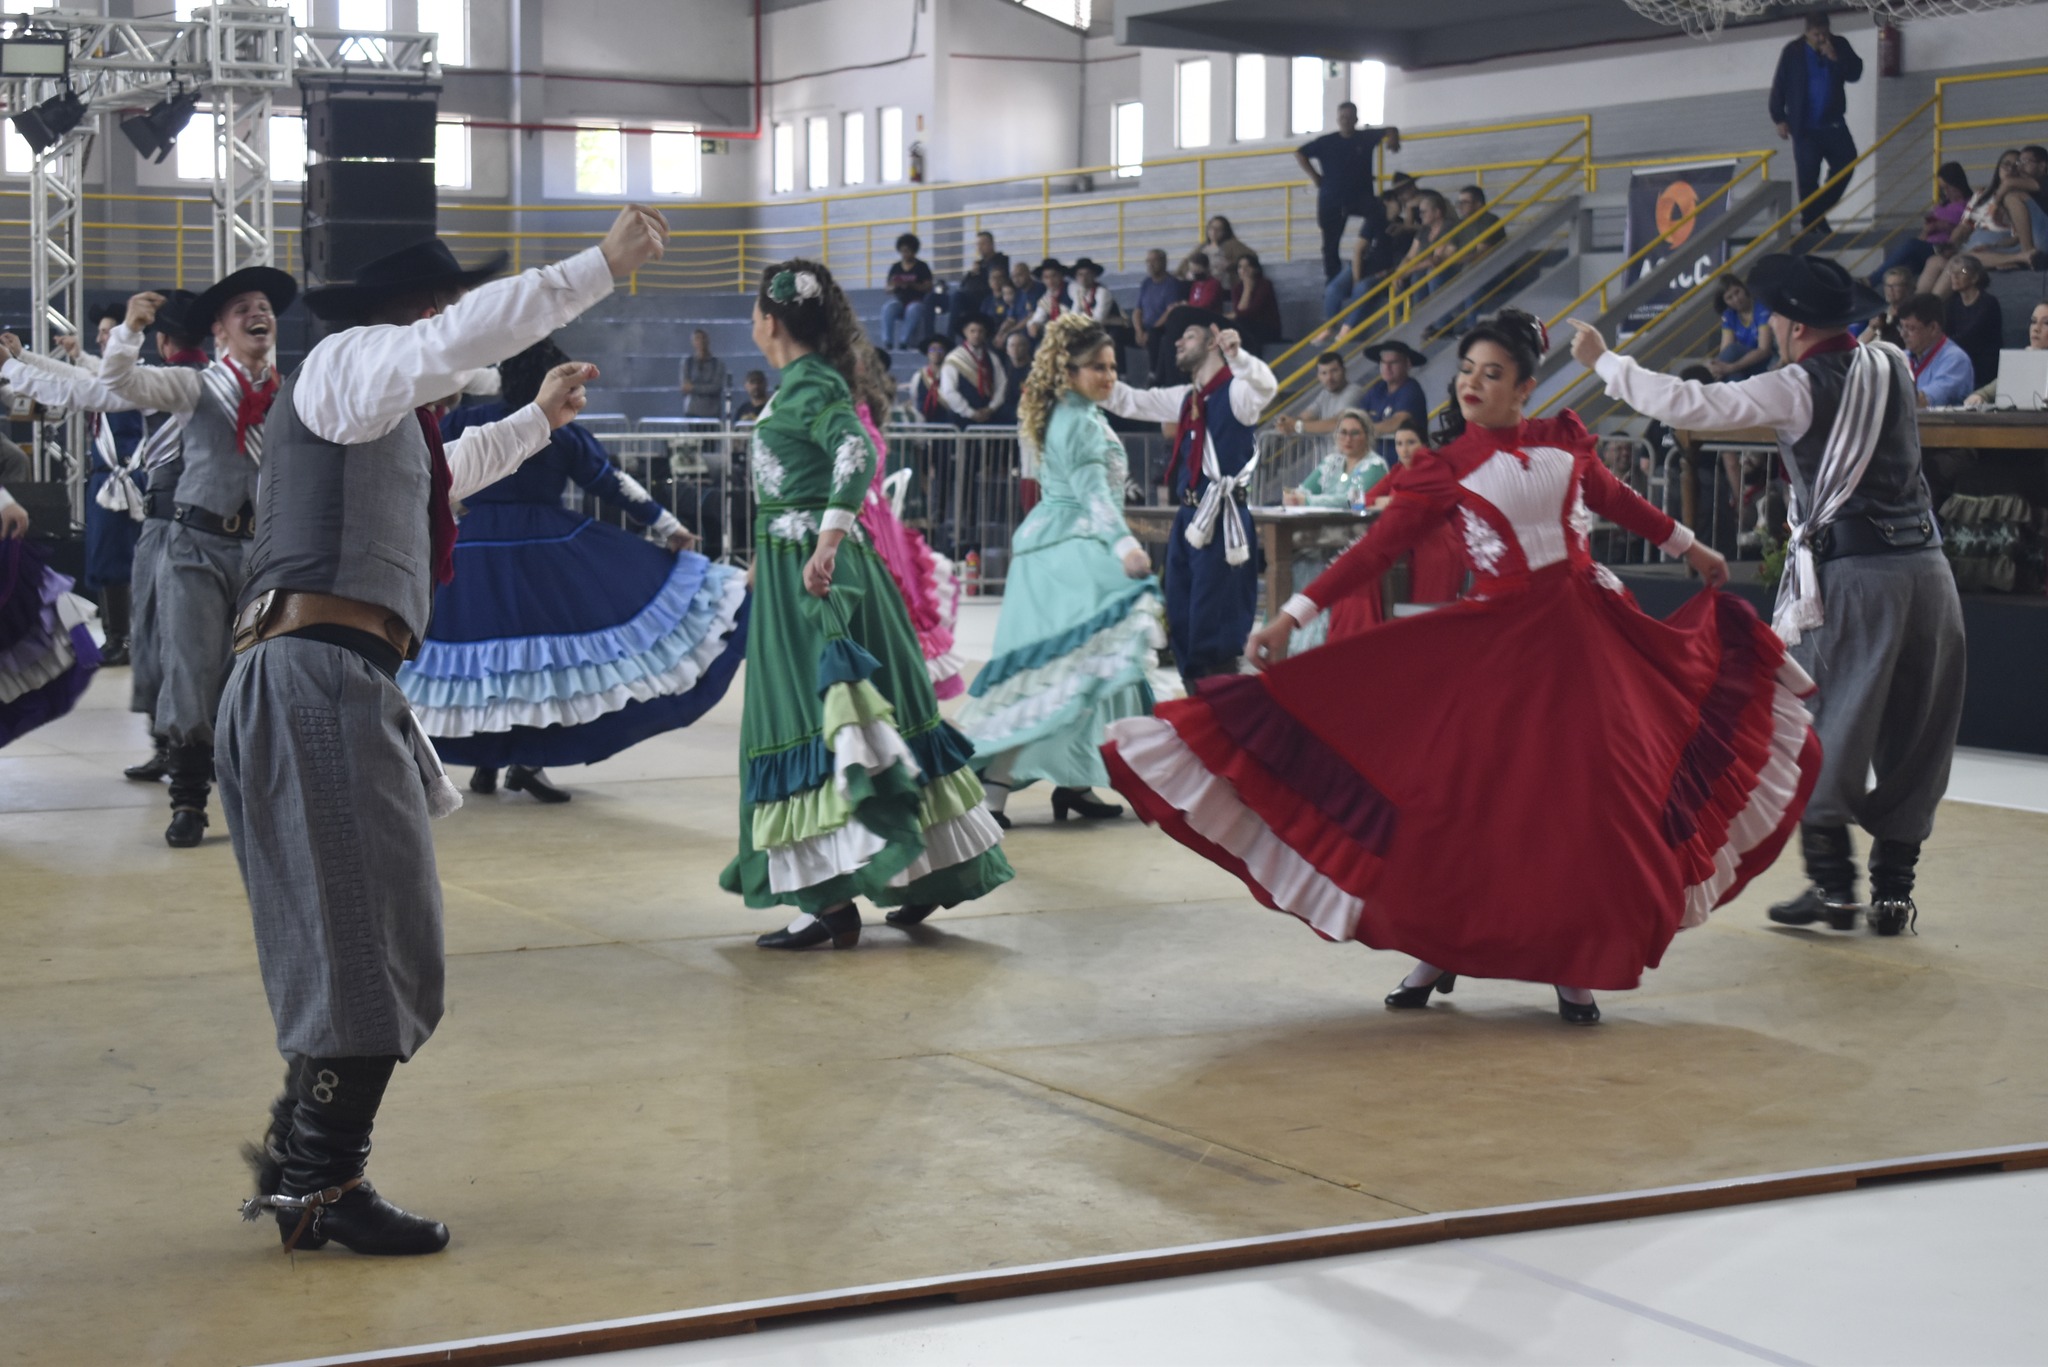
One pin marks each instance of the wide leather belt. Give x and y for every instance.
(158, 505)
(1875, 536)
(284, 611)
(241, 525)
(1190, 499)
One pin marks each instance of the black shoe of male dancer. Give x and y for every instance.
(266, 1160)
(153, 769)
(323, 1195)
(1831, 865)
(191, 782)
(534, 782)
(1892, 863)
(483, 780)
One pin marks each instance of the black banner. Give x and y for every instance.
(1659, 199)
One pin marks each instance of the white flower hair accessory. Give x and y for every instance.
(807, 286)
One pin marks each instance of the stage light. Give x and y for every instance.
(156, 132)
(49, 121)
(35, 57)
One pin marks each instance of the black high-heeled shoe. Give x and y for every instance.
(911, 916)
(1406, 998)
(520, 779)
(1576, 1013)
(1083, 803)
(841, 927)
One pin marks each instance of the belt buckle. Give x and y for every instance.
(249, 626)
(232, 524)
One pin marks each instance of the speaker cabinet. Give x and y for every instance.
(394, 126)
(337, 251)
(397, 191)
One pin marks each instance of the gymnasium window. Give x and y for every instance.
(785, 158)
(1191, 103)
(1369, 91)
(818, 152)
(853, 134)
(1075, 12)
(600, 161)
(451, 154)
(194, 157)
(1306, 95)
(1249, 125)
(21, 159)
(288, 148)
(1127, 138)
(676, 158)
(448, 21)
(890, 145)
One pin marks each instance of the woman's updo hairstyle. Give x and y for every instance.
(1521, 335)
(877, 387)
(803, 297)
(1069, 340)
(520, 376)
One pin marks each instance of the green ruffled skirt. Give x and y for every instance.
(851, 784)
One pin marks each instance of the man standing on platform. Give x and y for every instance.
(1810, 107)
(1340, 164)
(201, 572)
(326, 780)
(1212, 560)
(1868, 604)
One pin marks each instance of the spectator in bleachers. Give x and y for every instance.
(1898, 288)
(1431, 245)
(1974, 319)
(1158, 292)
(1219, 241)
(1747, 345)
(1054, 301)
(1395, 396)
(1810, 107)
(1941, 371)
(2022, 197)
(973, 294)
(1334, 394)
(995, 298)
(750, 404)
(906, 316)
(2037, 340)
(1087, 294)
(1205, 289)
(1374, 257)
(1984, 227)
(927, 392)
(1939, 227)
(1343, 174)
(1253, 306)
(1475, 220)
(971, 383)
(1015, 359)
(1027, 283)
(703, 382)
(1017, 310)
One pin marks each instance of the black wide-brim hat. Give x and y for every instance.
(424, 266)
(1181, 317)
(1814, 290)
(276, 286)
(174, 317)
(1379, 350)
(1051, 263)
(1086, 263)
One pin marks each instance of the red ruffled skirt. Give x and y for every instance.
(1547, 784)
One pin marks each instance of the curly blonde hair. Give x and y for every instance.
(1070, 339)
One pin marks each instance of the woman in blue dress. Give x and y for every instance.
(561, 639)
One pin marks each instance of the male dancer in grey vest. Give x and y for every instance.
(1868, 604)
(199, 577)
(326, 781)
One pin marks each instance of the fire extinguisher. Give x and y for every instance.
(1890, 50)
(917, 163)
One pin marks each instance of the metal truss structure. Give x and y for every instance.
(234, 57)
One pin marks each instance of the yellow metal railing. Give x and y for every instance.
(1946, 150)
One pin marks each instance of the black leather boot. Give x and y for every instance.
(1831, 866)
(323, 1195)
(114, 617)
(483, 780)
(191, 782)
(534, 782)
(1892, 864)
(1083, 803)
(266, 1160)
(153, 769)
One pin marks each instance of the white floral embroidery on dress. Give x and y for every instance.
(1482, 542)
(847, 461)
(768, 470)
(795, 525)
(1607, 579)
(1582, 519)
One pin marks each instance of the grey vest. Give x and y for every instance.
(217, 476)
(1893, 490)
(352, 521)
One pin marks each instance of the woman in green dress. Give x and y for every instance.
(1344, 478)
(1081, 618)
(851, 785)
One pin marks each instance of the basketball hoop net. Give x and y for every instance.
(1704, 18)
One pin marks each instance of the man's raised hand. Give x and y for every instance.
(1587, 344)
(561, 395)
(638, 235)
(142, 310)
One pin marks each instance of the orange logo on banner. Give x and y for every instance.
(1678, 200)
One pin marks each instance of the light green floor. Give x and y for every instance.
(629, 1109)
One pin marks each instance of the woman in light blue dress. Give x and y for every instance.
(1082, 616)
(1344, 478)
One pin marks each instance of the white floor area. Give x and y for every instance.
(1944, 1270)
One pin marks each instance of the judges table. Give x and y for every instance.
(1284, 533)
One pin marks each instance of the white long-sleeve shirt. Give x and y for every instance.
(950, 380)
(357, 385)
(1252, 387)
(1779, 399)
(61, 384)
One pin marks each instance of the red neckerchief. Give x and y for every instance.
(1087, 302)
(984, 373)
(1841, 341)
(1194, 421)
(440, 513)
(1921, 363)
(1052, 302)
(255, 401)
(185, 355)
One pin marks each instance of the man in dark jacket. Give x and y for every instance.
(1809, 107)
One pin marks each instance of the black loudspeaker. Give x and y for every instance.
(378, 191)
(394, 126)
(337, 251)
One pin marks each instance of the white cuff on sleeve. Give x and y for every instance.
(1126, 545)
(839, 520)
(1680, 542)
(666, 526)
(1301, 608)
(1610, 364)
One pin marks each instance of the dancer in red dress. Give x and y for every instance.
(1539, 782)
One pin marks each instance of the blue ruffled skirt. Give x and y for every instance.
(562, 640)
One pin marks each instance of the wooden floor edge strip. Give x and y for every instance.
(651, 1331)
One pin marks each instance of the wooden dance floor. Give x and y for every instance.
(631, 1110)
